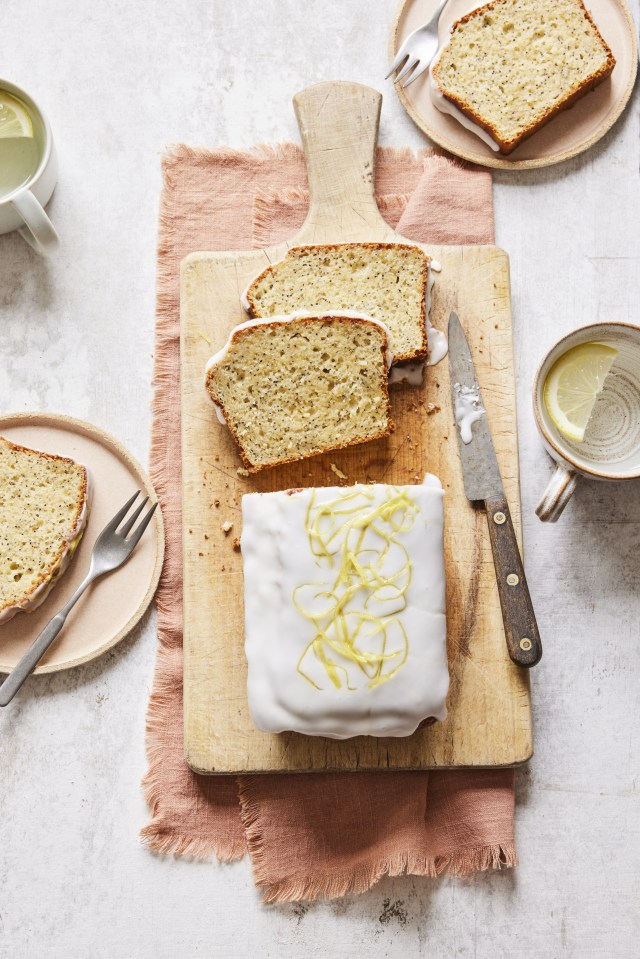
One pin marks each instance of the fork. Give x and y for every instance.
(417, 50)
(111, 550)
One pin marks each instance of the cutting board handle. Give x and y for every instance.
(339, 128)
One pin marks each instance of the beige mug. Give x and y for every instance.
(22, 208)
(611, 446)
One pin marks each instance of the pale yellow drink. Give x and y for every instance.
(22, 138)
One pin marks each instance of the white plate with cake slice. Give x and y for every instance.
(113, 607)
(569, 133)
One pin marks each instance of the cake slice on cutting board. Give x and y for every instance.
(387, 281)
(289, 387)
(510, 66)
(44, 504)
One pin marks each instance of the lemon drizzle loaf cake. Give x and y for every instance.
(344, 591)
(510, 66)
(387, 281)
(44, 503)
(289, 387)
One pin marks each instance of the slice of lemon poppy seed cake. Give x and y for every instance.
(289, 387)
(510, 66)
(43, 513)
(387, 281)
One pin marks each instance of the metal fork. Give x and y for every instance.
(417, 50)
(111, 550)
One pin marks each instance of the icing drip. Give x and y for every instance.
(444, 105)
(438, 346)
(219, 413)
(467, 410)
(412, 373)
(436, 339)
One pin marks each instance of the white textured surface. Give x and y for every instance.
(119, 81)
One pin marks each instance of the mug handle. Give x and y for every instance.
(38, 231)
(557, 494)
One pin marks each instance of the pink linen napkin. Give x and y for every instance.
(316, 835)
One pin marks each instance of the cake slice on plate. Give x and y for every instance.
(387, 281)
(43, 512)
(344, 593)
(511, 65)
(289, 387)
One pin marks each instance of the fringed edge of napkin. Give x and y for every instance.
(164, 840)
(167, 675)
(461, 864)
(175, 153)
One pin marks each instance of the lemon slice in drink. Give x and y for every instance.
(572, 386)
(14, 119)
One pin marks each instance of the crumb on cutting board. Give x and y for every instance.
(226, 527)
(338, 472)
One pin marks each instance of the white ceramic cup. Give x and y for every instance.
(611, 448)
(23, 209)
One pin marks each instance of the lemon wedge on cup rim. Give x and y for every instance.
(14, 119)
(572, 385)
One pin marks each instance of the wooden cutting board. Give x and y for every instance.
(489, 721)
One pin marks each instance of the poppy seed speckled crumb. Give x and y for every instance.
(43, 511)
(387, 281)
(512, 65)
(297, 386)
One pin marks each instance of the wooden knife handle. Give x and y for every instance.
(521, 630)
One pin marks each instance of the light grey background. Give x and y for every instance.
(119, 81)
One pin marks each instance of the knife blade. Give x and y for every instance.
(483, 483)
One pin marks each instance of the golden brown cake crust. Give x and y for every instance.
(508, 146)
(328, 317)
(423, 351)
(50, 570)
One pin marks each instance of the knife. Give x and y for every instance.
(483, 483)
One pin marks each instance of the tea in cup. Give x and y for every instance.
(28, 168)
(586, 400)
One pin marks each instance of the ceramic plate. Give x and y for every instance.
(569, 133)
(111, 608)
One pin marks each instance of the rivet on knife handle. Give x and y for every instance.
(523, 639)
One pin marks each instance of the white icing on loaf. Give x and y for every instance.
(298, 681)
